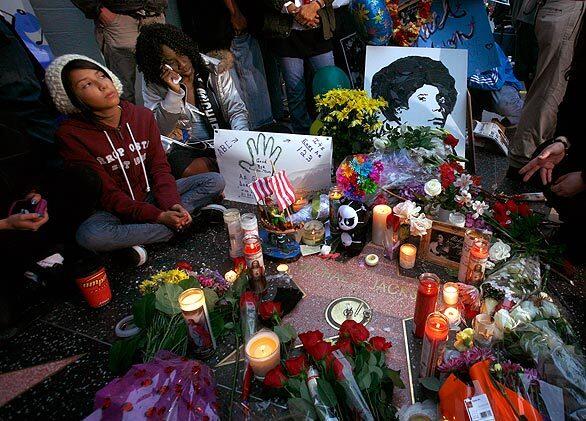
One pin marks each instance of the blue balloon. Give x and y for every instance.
(373, 21)
(328, 78)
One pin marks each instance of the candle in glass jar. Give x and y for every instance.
(437, 327)
(457, 219)
(313, 233)
(453, 315)
(469, 238)
(193, 307)
(379, 223)
(426, 301)
(263, 352)
(483, 329)
(249, 224)
(232, 221)
(255, 263)
(335, 196)
(450, 293)
(477, 261)
(300, 201)
(407, 255)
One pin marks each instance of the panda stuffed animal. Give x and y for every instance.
(352, 224)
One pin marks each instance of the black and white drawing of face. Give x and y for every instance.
(419, 90)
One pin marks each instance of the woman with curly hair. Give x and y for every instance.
(190, 94)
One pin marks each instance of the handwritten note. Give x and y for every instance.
(461, 24)
(245, 156)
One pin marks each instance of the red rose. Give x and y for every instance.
(353, 330)
(248, 297)
(296, 365)
(450, 139)
(447, 175)
(239, 264)
(183, 265)
(269, 309)
(476, 180)
(394, 222)
(524, 210)
(320, 350)
(379, 343)
(345, 346)
(338, 369)
(511, 206)
(275, 378)
(456, 166)
(309, 339)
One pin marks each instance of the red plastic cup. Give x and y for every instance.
(95, 288)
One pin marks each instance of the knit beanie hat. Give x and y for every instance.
(55, 83)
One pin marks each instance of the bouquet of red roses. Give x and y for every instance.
(352, 380)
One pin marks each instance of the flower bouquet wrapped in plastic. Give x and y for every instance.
(345, 378)
(248, 314)
(168, 388)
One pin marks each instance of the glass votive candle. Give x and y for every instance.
(263, 352)
(457, 219)
(483, 330)
(450, 293)
(407, 255)
(313, 233)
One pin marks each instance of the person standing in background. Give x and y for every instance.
(118, 23)
(301, 31)
(556, 27)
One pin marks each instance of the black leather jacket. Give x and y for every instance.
(135, 8)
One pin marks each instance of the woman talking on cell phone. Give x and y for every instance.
(190, 94)
(140, 200)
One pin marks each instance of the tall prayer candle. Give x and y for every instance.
(249, 224)
(232, 221)
(255, 262)
(469, 238)
(437, 328)
(263, 352)
(379, 223)
(193, 306)
(477, 261)
(426, 301)
(450, 293)
(335, 196)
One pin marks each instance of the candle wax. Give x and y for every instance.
(262, 348)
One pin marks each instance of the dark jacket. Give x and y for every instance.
(124, 190)
(91, 8)
(278, 25)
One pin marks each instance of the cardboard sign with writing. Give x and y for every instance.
(245, 156)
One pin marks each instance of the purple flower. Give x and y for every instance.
(475, 354)
(510, 368)
(453, 365)
(532, 374)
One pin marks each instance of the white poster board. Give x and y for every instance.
(423, 86)
(245, 156)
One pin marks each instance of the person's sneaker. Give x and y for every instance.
(135, 255)
(213, 214)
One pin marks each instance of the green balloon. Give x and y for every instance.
(315, 127)
(328, 78)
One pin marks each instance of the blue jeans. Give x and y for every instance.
(104, 231)
(253, 82)
(293, 74)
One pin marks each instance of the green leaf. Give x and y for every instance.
(364, 380)
(302, 409)
(293, 385)
(315, 204)
(190, 282)
(229, 325)
(376, 371)
(285, 332)
(167, 299)
(177, 334)
(431, 383)
(143, 310)
(372, 360)
(395, 377)
(122, 353)
(304, 392)
(211, 298)
(326, 393)
(217, 323)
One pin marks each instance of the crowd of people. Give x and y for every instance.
(76, 139)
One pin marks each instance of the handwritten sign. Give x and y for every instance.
(461, 24)
(245, 156)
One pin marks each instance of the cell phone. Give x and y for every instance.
(26, 206)
(175, 81)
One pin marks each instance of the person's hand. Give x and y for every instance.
(106, 16)
(26, 221)
(545, 162)
(186, 216)
(172, 219)
(239, 23)
(307, 14)
(170, 76)
(569, 184)
(292, 9)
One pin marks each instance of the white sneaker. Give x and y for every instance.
(139, 255)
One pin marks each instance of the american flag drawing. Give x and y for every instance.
(283, 190)
(261, 188)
